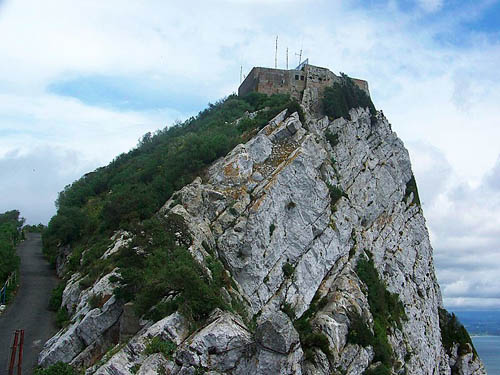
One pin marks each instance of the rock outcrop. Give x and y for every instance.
(290, 214)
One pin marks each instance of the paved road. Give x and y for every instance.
(28, 310)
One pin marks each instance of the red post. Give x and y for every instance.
(20, 361)
(13, 353)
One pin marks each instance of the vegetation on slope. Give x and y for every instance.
(128, 192)
(411, 187)
(343, 96)
(387, 311)
(454, 333)
(10, 235)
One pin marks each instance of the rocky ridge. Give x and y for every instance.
(289, 214)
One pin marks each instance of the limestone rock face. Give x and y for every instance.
(289, 214)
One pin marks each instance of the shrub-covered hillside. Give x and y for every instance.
(135, 184)
(129, 191)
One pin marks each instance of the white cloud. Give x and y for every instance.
(431, 5)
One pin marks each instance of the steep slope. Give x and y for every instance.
(314, 256)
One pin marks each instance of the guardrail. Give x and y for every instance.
(18, 342)
(3, 292)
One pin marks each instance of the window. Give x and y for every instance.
(296, 77)
(301, 78)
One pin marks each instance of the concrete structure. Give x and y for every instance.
(294, 81)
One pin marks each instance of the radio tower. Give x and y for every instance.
(276, 54)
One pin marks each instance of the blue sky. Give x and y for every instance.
(81, 82)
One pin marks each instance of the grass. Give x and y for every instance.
(157, 345)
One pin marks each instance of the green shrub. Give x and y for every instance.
(308, 338)
(381, 369)
(157, 345)
(335, 194)
(288, 309)
(10, 235)
(95, 300)
(453, 332)
(288, 270)
(58, 368)
(343, 96)
(359, 332)
(294, 106)
(411, 187)
(62, 317)
(272, 227)
(387, 311)
(56, 297)
(333, 139)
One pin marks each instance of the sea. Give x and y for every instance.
(488, 349)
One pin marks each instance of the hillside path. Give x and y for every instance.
(29, 310)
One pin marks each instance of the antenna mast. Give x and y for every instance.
(241, 72)
(286, 58)
(276, 54)
(300, 56)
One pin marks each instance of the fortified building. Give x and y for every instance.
(293, 81)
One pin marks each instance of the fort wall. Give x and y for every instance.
(280, 81)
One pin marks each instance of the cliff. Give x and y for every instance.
(313, 244)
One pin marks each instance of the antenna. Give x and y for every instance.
(241, 73)
(276, 54)
(286, 58)
(300, 56)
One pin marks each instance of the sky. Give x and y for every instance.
(82, 81)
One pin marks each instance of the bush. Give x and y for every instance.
(157, 345)
(359, 332)
(411, 187)
(59, 368)
(95, 301)
(288, 270)
(272, 227)
(308, 338)
(387, 311)
(453, 332)
(335, 194)
(56, 297)
(333, 139)
(62, 317)
(343, 96)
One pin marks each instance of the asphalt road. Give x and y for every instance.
(28, 310)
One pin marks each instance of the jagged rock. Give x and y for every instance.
(87, 325)
(129, 323)
(276, 333)
(62, 347)
(289, 213)
(120, 239)
(222, 345)
(156, 364)
(98, 320)
(174, 328)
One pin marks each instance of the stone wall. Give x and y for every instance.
(280, 81)
(274, 81)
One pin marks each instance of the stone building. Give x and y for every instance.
(293, 81)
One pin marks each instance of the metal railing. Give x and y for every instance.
(3, 292)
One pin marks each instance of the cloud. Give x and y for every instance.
(431, 5)
(30, 181)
